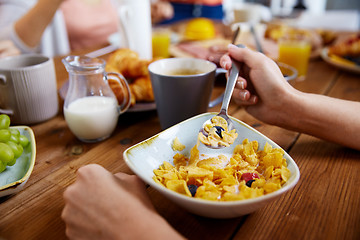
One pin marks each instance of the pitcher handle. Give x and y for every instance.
(125, 104)
(220, 98)
(3, 82)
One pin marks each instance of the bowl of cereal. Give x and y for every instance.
(226, 183)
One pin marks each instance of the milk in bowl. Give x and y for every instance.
(92, 118)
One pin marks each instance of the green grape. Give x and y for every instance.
(14, 138)
(6, 153)
(16, 148)
(15, 132)
(4, 135)
(2, 166)
(15, 135)
(4, 121)
(12, 162)
(24, 141)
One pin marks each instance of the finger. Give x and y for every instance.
(241, 83)
(89, 172)
(225, 62)
(244, 97)
(253, 99)
(245, 103)
(65, 212)
(241, 94)
(245, 55)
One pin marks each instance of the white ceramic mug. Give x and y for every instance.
(135, 22)
(28, 91)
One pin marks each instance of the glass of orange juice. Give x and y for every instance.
(295, 51)
(160, 43)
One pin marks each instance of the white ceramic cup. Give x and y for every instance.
(250, 13)
(28, 91)
(135, 22)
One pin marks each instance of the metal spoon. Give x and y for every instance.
(256, 38)
(234, 73)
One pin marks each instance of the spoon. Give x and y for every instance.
(256, 38)
(234, 73)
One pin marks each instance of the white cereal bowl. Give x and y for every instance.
(149, 154)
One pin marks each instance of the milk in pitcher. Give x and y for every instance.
(92, 118)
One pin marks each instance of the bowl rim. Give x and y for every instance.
(173, 194)
(32, 159)
(291, 68)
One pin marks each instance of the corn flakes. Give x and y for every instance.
(177, 145)
(249, 173)
(218, 133)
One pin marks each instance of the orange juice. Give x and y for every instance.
(296, 54)
(160, 44)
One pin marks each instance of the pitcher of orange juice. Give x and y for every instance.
(91, 109)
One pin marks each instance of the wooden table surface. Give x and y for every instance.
(325, 204)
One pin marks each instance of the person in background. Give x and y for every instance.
(186, 9)
(56, 27)
(160, 11)
(7, 48)
(102, 205)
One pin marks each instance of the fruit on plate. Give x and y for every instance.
(347, 47)
(341, 60)
(200, 29)
(12, 143)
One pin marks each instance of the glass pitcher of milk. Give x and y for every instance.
(91, 108)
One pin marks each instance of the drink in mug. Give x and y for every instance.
(92, 118)
(295, 53)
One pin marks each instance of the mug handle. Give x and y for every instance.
(125, 104)
(3, 82)
(220, 98)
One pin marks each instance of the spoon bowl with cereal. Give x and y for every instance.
(218, 132)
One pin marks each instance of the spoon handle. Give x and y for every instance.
(234, 73)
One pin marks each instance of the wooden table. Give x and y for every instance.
(325, 204)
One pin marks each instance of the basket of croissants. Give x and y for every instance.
(135, 70)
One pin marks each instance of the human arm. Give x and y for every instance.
(7, 48)
(100, 205)
(161, 10)
(32, 25)
(267, 96)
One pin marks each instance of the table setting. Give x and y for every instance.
(136, 132)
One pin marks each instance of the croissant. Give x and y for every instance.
(135, 70)
(128, 63)
(141, 89)
(116, 88)
(348, 47)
